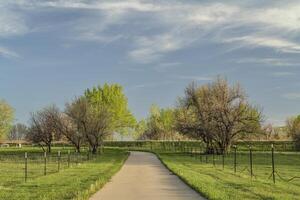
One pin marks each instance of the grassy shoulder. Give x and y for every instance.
(78, 182)
(221, 184)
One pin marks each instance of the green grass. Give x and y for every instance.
(77, 182)
(215, 183)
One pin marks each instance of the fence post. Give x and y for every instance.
(251, 163)
(58, 161)
(68, 158)
(223, 159)
(88, 155)
(45, 163)
(214, 163)
(206, 159)
(273, 164)
(25, 172)
(234, 158)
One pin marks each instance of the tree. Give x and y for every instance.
(94, 123)
(112, 98)
(139, 129)
(220, 114)
(293, 129)
(6, 118)
(43, 127)
(160, 124)
(68, 127)
(18, 132)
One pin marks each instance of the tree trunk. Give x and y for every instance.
(94, 149)
(49, 148)
(78, 148)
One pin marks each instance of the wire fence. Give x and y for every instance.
(20, 167)
(274, 162)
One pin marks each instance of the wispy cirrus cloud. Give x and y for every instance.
(4, 52)
(195, 78)
(11, 23)
(282, 74)
(292, 96)
(283, 62)
(161, 28)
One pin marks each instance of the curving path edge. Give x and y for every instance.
(143, 176)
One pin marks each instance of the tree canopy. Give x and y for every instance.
(6, 118)
(112, 98)
(217, 113)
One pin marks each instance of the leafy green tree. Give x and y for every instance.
(139, 129)
(218, 114)
(293, 129)
(160, 124)
(112, 98)
(6, 118)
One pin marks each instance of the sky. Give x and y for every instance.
(51, 51)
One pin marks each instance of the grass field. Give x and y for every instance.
(215, 183)
(78, 181)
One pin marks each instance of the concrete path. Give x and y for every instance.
(143, 177)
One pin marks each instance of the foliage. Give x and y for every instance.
(293, 128)
(18, 132)
(112, 98)
(6, 118)
(139, 129)
(93, 124)
(160, 124)
(217, 113)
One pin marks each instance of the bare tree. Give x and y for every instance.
(42, 127)
(68, 129)
(18, 132)
(94, 122)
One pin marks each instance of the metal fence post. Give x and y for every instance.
(58, 161)
(68, 158)
(223, 160)
(273, 164)
(45, 163)
(234, 158)
(25, 172)
(251, 163)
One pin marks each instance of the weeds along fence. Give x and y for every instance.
(18, 167)
(271, 161)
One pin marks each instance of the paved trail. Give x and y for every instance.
(143, 177)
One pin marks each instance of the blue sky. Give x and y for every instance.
(50, 51)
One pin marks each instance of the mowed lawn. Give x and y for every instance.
(77, 182)
(214, 182)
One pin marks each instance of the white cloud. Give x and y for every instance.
(173, 25)
(268, 61)
(8, 53)
(149, 49)
(264, 41)
(196, 78)
(11, 23)
(282, 74)
(292, 96)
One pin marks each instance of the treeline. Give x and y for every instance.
(87, 120)
(217, 113)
